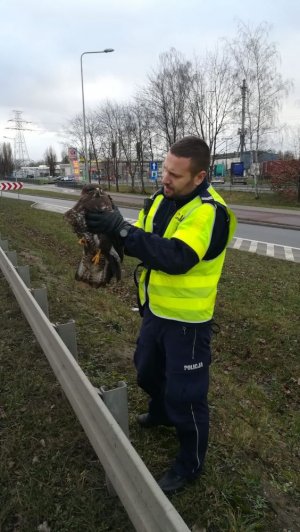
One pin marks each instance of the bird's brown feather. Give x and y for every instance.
(109, 265)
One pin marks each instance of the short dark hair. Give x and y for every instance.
(194, 148)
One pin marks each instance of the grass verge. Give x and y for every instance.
(48, 470)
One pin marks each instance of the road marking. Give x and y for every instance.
(269, 249)
(253, 246)
(238, 242)
(288, 253)
(50, 207)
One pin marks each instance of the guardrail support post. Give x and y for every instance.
(4, 245)
(67, 333)
(24, 273)
(116, 400)
(40, 295)
(12, 256)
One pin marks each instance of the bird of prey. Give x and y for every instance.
(101, 258)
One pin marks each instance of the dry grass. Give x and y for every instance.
(48, 470)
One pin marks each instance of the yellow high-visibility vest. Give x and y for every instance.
(189, 297)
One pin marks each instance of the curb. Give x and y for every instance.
(269, 224)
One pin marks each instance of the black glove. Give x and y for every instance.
(107, 222)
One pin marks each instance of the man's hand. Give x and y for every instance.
(107, 222)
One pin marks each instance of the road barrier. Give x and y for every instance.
(11, 186)
(146, 505)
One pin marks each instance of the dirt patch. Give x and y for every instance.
(33, 259)
(287, 514)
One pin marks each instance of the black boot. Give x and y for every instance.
(171, 482)
(146, 421)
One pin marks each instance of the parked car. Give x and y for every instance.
(62, 178)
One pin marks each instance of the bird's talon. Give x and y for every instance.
(96, 258)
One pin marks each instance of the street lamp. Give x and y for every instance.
(106, 51)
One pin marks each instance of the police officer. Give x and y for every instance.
(180, 237)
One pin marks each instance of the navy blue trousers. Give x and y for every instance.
(172, 361)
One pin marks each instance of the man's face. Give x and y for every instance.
(177, 178)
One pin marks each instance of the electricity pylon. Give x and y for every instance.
(21, 157)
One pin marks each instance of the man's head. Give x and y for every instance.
(185, 166)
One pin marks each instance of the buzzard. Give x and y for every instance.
(101, 259)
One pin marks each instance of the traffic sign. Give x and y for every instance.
(153, 166)
(11, 186)
(153, 175)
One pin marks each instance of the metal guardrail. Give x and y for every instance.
(146, 505)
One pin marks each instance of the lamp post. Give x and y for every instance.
(106, 51)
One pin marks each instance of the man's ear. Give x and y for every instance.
(199, 178)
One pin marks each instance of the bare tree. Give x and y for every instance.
(6, 160)
(212, 99)
(51, 160)
(143, 137)
(151, 144)
(64, 157)
(140, 131)
(127, 136)
(109, 123)
(123, 128)
(73, 133)
(181, 97)
(94, 138)
(256, 61)
(166, 95)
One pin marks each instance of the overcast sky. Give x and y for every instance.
(42, 40)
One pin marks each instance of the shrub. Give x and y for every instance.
(285, 178)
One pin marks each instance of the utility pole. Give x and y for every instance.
(242, 131)
(21, 157)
